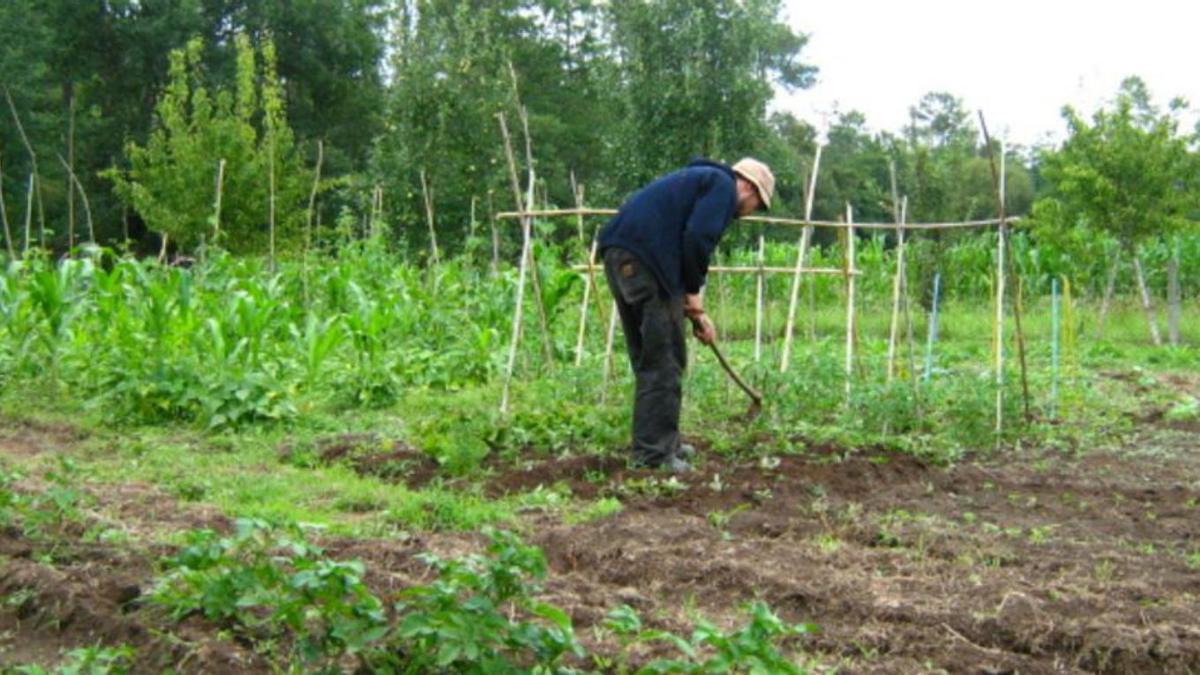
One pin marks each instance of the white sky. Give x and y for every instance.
(1019, 61)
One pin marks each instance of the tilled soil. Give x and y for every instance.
(1025, 561)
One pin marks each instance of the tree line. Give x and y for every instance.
(266, 126)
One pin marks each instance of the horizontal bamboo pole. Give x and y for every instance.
(991, 222)
(744, 270)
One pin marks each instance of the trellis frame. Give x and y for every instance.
(848, 271)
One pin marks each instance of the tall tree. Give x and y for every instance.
(1128, 173)
(696, 78)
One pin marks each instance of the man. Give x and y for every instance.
(656, 252)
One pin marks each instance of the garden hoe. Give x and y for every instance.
(755, 397)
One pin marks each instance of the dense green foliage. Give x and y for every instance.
(481, 614)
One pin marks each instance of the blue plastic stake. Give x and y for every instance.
(933, 326)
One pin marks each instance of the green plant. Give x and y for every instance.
(95, 660)
(480, 616)
(271, 584)
(751, 649)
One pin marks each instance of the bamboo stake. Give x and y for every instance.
(1054, 331)
(495, 234)
(897, 283)
(577, 193)
(217, 202)
(428, 199)
(805, 237)
(998, 333)
(87, 208)
(28, 216)
(589, 285)
(850, 328)
(583, 307)
(271, 212)
(758, 303)
(1001, 202)
(547, 347)
(1173, 299)
(162, 252)
(36, 182)
(312, 195)
(520, 299)
(1144, 292)
(1018, 309)
(608, 350)
(8, 239)
(377, 221)
(472, 225)
(70, 164)
(906, 299)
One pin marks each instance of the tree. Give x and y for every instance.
(171, 180)
(1127, 173)
(696, 78)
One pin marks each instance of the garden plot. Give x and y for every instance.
(1029, 561)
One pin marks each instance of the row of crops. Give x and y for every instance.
(228, 341)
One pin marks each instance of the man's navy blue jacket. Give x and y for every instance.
(673, 224)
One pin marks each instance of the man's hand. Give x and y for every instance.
(693, 305)
(703, 329)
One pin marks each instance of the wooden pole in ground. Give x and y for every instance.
(1144, 293)
(1173, 294)
(608, 351)
(495, 234)
(758, 301)
(1054, 348)
(805, 237)
(87, 208)
(850, 274)
(271, 200)
(8, 239)
(473, 224)
(427, 199)
(36, 181)
(70, 164)
(897, 282)
(1001, 202)
(577, 193)
(28, 215)
(589, 286)
(583, 307)
(998, 332)
(906, 300)
(520, 297)
(535, 276)
(312, 196)
(217, 202)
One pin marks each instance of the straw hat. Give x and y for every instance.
(759, 175)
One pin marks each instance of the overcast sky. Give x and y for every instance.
(1019, 61)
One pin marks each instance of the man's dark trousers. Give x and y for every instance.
(653, 323)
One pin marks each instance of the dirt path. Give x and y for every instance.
(1037, 563)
